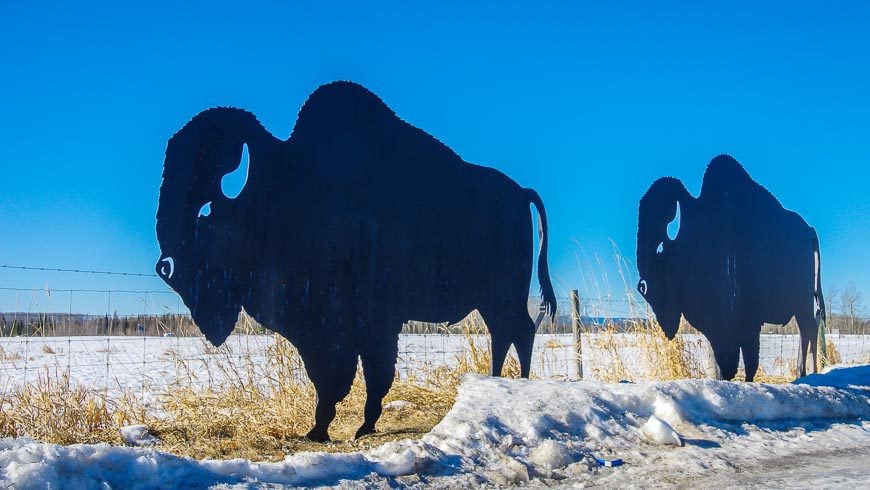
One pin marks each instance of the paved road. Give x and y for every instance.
(823, 469)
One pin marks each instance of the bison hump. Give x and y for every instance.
(346, 132)
(725, 178)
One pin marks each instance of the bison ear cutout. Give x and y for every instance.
(674, 225)
(233, 182)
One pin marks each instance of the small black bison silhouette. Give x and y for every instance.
(355, 224)
(739, 260)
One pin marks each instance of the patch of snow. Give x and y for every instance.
(840, 376)
(398, 405)
(658, 431)
(26, 464)
(551, 455)
(505, 432)
(138, 435)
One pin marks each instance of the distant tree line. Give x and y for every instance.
(64, 324)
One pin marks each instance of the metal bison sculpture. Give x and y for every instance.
(355, 224)
(739, 259)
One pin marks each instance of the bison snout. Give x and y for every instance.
(165, 267)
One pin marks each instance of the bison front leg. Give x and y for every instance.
(727, 353)
(332, 375)
(379, 369)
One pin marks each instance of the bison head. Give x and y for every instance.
(658, 264)
(199, 228)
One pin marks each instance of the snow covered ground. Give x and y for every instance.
(145, 365)
(539, 433)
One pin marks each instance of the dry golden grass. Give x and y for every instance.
(661, 359)
(614, 370)
(553, 344)
(255, 424)
(9, 356)
(657, 358)
(269, 419)
(763, 377)
(787, 366)
(832, 355)
(55, 410)
(665, 359)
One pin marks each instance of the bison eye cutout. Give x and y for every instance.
(205, 210)
(674, 225)
(660, 248)
(233, 182)
(641, 287)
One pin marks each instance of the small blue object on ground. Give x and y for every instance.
(610, 463)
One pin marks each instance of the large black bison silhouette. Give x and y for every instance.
(739, 259)
(355, 224)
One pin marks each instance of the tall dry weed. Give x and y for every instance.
(55, 410)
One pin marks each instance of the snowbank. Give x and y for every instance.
(502, 432)
(840, 376)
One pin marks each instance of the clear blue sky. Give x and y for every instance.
(586, 103)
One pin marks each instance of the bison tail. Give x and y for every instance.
(817, 288)
(548, 297)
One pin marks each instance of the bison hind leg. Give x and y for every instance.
(524, 344)
(379, 369)
(499, 346)
(809, 335)
(508, 327)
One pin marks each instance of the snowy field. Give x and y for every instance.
(500, 432)
(148, 365)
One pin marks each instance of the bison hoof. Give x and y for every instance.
(318, 435)
(364, 431)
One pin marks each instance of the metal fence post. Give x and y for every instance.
(575, 327)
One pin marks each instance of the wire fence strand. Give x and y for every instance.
(79, 271)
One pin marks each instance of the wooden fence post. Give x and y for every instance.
(821, 345)
(575, 327)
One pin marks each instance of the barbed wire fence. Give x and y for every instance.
(145, 342)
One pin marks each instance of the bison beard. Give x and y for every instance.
(738, 260)
(355, 224)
